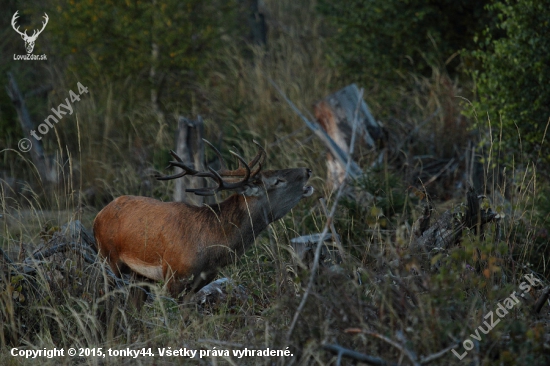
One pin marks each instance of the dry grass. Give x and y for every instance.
(115, 142)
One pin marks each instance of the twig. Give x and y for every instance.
(542, 299)
(354, 170)
(435, 356)
(341, 351)
(335, 236)
(6, 258)
(400, 347)
(327, 225)
(433, 178)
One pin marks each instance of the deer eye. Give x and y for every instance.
(279, 181)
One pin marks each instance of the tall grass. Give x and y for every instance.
(424, 303)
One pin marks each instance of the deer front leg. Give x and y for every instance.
(204, 279)
(190, 286)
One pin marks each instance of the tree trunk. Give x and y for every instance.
(336, 114)
(190, 147)
(46, 171)
(258, 27)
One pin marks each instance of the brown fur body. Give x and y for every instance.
(185, 245)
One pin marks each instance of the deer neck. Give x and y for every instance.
(239, 220)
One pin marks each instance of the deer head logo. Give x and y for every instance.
(29, 40)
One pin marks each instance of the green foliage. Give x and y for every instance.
(514, 83)
(165, 43)
(381, 39)
(361, 218)
(391, 196)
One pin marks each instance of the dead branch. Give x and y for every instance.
(410, 355)
(304, 247)
(60, 248)
(217, 291)
(6, 257)
(76, 231)
(542, 299)
(434, 356)
(335, 236)
(345, 352)
(447, 231)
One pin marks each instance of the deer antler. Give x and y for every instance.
(244, 170)
(24, 34)
(43, 26)
(13, 21)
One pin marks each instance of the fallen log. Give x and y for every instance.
(304, 249)
(447, 230)
(218, 291)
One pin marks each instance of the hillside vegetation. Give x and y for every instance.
(459, 88)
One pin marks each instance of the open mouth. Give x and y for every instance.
(308, 191)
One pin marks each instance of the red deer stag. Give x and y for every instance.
(185, 245)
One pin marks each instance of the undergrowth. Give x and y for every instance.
(426, 303)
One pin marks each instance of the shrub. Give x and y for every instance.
(514, 81)
(163, 46)
(382, 39)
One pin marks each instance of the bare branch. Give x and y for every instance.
(341, 351)
(434, 356)
(6, 257)
(542, 299)
(400, 347)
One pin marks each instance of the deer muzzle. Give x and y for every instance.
(308, 190)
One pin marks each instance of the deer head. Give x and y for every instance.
(275, 192)
(29, 40)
